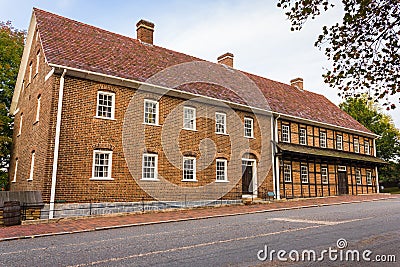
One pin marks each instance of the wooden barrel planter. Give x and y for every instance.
(12, 213)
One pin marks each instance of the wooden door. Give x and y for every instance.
(343, 187)
(247, 177)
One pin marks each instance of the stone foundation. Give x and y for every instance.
(63, 210)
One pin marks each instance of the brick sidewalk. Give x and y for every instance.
(71, 225)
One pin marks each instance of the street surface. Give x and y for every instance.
(228, 241)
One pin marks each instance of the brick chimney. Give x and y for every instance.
(297, 82)
(226, 59)
(144, 31)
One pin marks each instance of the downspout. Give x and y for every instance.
(56, 146)
(276, 159)
(273, 152)
(376, 170)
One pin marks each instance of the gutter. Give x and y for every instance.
(56, 146)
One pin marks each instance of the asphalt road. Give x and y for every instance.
(229, 241)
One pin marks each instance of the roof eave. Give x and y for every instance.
(24, 63)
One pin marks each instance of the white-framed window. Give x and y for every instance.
(189, 118)
(369, 177)
(248, 127)
(304, 174)
(150, 167)
(287, 173)
(285, 133)
(220, 123)
(21, 118)
(303, 136)
(30, 73)
(102, 165)
(339, 142)
(324, 175)
(356, 145)
(151, 112)
(38, 108)
(322, 139)
(32, 166)
(366, 147)
(221, 170)
(15, 171)
(105, 105)
(37, 62)
(358, 176)
(189, 169)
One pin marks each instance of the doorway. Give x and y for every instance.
(249, 177)
(343, 186)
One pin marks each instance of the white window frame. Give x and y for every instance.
(324, 175)
(109, 166)
(367, 148)
(322, 139)
(339, 142)
(303, 136)
(342, 168)
(21, 118)
(37, 62)
(38, 108)
(248, 119)
(218, 122)
(184, 170)
(225, 170)
(15, 171)
(304, 174)
(369, 177)
(189, 123)
(356, 145)
(152, 102)
(30, 73)
(287, 173)
(358, 177)
(155, 156)
(32, 168)
(285, 133)
(112, 105)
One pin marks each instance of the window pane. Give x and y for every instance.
(150, 112)
(102, 164)
(248, 127)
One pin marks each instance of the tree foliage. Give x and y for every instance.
(364, 47)
(11, 48)
(388, 145)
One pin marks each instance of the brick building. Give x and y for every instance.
(104, 118)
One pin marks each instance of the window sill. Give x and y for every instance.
(151, 124)
(287, 182)
(249, 137)
(222, 134)
(18, 135)
(150, 179)
(221, 181)
(187, 129)
(36, 122)
(29, 180)
(13, 182)
(101, 179)
(104, 118)
(187, 180)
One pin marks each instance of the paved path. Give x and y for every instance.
(67, 226)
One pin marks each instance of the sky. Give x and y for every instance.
(256, 32)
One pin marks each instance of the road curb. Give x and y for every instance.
(191, 219)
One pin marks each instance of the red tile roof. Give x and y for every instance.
(77, 45)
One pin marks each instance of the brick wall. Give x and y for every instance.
(35, 135)
(82, 132)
